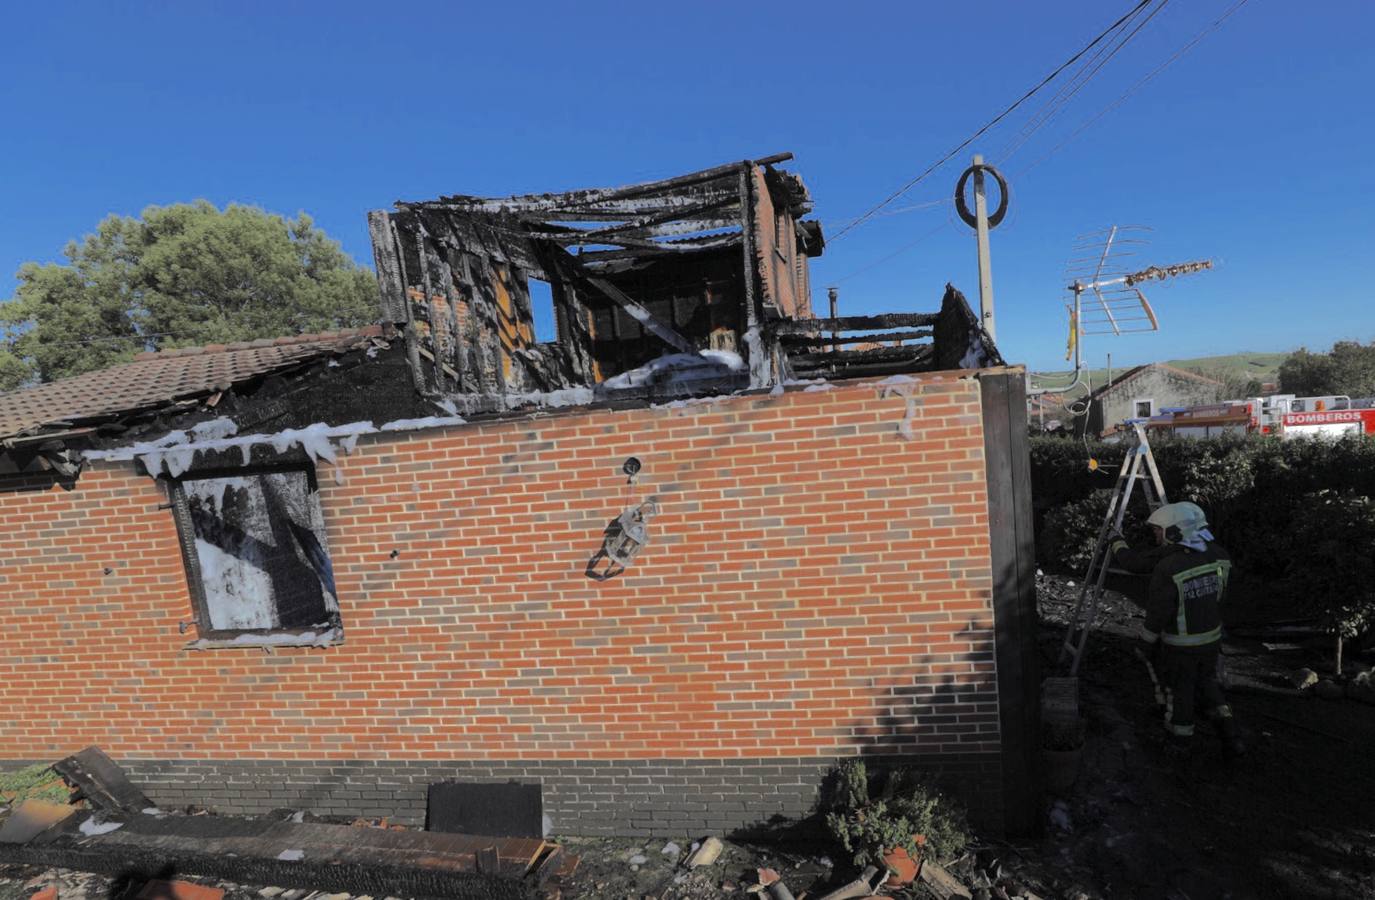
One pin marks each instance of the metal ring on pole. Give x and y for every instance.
(963, 210)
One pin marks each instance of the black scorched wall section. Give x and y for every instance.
(1012, 545)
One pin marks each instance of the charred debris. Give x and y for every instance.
(691, 285)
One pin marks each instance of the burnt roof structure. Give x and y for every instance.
(160, 379)
(704, 273)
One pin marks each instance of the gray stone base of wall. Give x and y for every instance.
(662, 797)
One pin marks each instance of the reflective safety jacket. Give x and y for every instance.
(1183, 606)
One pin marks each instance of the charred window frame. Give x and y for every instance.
(257, 565)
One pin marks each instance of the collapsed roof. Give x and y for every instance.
(697, 283)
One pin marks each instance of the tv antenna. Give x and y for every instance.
(1105, 277)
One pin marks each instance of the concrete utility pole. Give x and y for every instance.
(985, 263)
(981, 222)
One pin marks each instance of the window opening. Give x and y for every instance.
(542, 308)
(1145, 409)
(256, 556)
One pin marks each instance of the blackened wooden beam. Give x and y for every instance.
(852, 357)
(332, 857)
(658, 250)
(101, 781)
(597, 195)
(386, 256)
(702, 216)
(758, 356)
(651, 324)
(854, 323)
(875, 338)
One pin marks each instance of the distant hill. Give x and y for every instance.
(1245, 366)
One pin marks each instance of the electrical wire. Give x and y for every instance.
(1092, 70)
(1209, 29)
(928, 204)
(994, 121)
(893, 255)
(1053, 106)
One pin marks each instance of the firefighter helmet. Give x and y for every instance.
(1180, 521)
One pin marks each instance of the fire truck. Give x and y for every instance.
(1286, 415)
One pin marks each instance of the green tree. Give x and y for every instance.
(178, 276)
(1349, 368)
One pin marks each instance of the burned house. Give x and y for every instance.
(669, 565)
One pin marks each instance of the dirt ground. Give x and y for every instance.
(1293, 819)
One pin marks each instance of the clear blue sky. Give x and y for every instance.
(1253, 149)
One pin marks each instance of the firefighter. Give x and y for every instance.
(1188, 573)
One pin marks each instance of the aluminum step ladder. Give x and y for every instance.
(1138, 467)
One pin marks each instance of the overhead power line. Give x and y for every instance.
(874, 264)
(994, 121)
(1091, 68)
(1207, 30)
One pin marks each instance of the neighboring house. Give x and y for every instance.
(290, 574)
(1143, 392)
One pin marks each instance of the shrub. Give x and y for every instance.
(1254, 490)
(910, 814)
(1334, 569)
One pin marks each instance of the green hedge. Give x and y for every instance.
(1270, 503)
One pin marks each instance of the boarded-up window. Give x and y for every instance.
(256, 556)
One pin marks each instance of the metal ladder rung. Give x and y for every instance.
(1091, 591)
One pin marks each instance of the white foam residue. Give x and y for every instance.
(292, 855)
(577, 396)
(316, 440)
(778, 390)
(974, 357)
(900, 386)
(814, 388)
(677, 368)
(447, 405)
(728, 358)
(240, 584)
(215, 429)
(322, 638)
(91, 827)
(333, 364)
(430, 422)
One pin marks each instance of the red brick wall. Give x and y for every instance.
(815, 585)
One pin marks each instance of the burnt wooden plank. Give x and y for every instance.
(651, 324)
(854, 323)
(549, 865)
(1012, 552)
(487, 860)
(810, 340)
(101, 781)
(601, 195)
(355, 865)
(844, 358)
(961, 342)
(387, 259)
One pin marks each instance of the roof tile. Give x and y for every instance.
(153, 379)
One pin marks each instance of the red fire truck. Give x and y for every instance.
(1285, 414)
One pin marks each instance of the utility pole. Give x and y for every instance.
(985, 263)
(981, 222)
(1109, 381)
